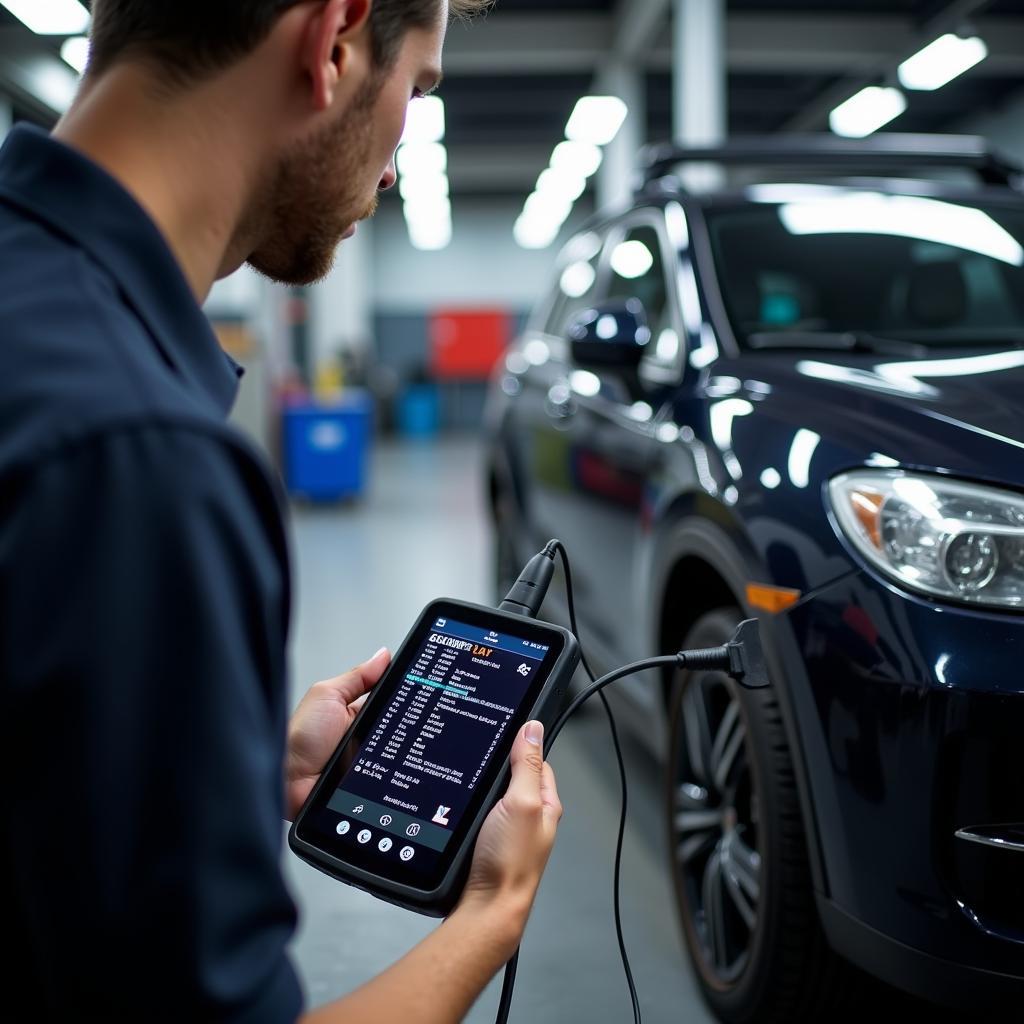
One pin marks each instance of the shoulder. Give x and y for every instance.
(74, 357)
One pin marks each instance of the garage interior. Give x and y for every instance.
(395, 353)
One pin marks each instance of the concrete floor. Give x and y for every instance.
(364, 573)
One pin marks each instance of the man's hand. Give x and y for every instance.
(516, 839)
(319, 722)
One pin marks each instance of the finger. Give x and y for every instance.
(549, 791)
(362, 678)
(527, 766)
(357, 705)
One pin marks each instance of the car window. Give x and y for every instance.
(927, 270)
(577, 281)
(638, 272)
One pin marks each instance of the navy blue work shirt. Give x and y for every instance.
(144, 602)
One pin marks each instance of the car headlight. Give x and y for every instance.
(934, 535)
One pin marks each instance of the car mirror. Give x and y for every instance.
(613, 334)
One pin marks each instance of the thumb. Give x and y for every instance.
(527, 760)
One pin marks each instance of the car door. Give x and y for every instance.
(599, 425)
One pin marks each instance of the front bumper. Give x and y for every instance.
(911, 716)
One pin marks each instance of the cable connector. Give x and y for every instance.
(528, 592)
(742, 657)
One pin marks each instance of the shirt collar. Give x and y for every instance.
(77, 199)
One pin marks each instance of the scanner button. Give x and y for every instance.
(343, 827)
(365, 836)
(406, 853)
(384, 845)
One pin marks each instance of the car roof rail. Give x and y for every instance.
(889, 150)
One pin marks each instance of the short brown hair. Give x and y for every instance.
(192, 39)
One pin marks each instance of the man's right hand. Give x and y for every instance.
(516, 839)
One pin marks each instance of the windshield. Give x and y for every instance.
(819, 260)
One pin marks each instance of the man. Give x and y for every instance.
(144, 586)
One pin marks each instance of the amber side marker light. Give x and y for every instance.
(771, 599)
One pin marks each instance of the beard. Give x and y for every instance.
(313, 197)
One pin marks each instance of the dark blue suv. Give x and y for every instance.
(802, 398)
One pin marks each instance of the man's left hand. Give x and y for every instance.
(321, 719)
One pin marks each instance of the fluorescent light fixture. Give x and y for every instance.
(869, 110)
(561, 183)
(422, 158)
(430, 236)
(580, 158)
(534, 233)
(75, 51)
(632, 259)
(427, 211)
(547, 207)
(942, 61)
(50, 17)
(416, 187)
(596, 119)
(424, 120)
(928, 220)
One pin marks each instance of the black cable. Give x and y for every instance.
(616, 886)
(525, 598)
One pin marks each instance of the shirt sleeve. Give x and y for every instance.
(143, 610)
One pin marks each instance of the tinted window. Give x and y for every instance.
(638, 272)
(577, 283)
(898, 266)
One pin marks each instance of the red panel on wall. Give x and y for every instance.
(465, 344)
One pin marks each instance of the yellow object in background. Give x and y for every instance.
(329, 382)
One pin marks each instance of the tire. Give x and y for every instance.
(738, 852)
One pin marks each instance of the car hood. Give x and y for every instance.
(962, 411)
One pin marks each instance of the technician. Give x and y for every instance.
(144, 578)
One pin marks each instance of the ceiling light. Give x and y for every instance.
(75, 52)
(431, 236)
(596, 119)
(533, 233)
(428, 210)
(416, 158)
(50, 17)
(561, 183)
(942, 61)
(868, 111)
(424, 120)
(547, 207)
(580, 158)
(423, 186)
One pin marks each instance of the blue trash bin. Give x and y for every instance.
(326, 447)
(419, 411)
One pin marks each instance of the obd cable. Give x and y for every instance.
(741, 658)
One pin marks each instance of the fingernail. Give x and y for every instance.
(534, 732)
(383, 650)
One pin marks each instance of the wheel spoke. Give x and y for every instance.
(697, 821)
(728, 743)
(698, 732)
(714, 911)
(742, 890)
(690, 849)
(746, 863)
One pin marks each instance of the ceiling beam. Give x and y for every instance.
(815, 116)
(525, 44)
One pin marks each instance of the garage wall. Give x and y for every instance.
(482, 267)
